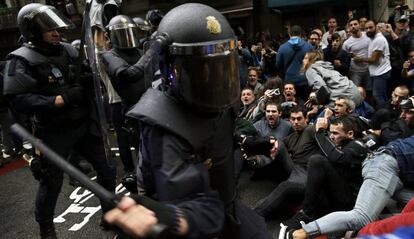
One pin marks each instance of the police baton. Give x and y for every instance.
(158, 231)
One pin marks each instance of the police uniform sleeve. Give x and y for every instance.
(119, 68)
(20, 88)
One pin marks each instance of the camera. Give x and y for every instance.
(370, 140)
(285, 108)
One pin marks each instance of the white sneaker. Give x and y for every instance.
(282, 232)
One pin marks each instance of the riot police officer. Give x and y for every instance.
(40, 81)
(125, 67)
(124, 63)
(187, 130)
(144, 31)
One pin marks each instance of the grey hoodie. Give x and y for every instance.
(322, 73)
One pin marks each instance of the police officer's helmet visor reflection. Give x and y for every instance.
(125, 35)
(48, 18)
(206, 74)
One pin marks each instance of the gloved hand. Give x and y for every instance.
(38, 169)
(257, 145)
(161, 43)
(73, 95)
(166, 215)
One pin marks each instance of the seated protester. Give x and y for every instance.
(291, 100)
(364, 109)
(271, 91)
(343, 106)
(313, 108)
(400, 93)
(273, 126)
(320, 74)
(289, 92)
(407, 112)
(292, 155)
(337, 56)
(334, 176)
(248, 100)
(384, 173)
(407, 73)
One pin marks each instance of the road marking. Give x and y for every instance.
(80, 197)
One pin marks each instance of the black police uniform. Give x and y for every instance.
(34, 76)
(187, 127)
(126, 73)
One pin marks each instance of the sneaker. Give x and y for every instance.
(297, 220)
(282, 231)
(8, 156)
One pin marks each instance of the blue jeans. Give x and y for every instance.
(380, 173)
(379, 88)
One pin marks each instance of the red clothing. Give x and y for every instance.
(406, 218)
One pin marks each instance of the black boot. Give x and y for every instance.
(47, 231)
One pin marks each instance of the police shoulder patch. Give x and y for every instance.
(213, 25)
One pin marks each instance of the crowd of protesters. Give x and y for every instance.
(336, 102)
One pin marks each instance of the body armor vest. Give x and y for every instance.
(210, 138)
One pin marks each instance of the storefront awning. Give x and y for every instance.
(290, 3)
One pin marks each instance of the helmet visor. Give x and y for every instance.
(48, 18)
(207, 75)
(127, 37)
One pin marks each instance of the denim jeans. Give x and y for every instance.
(379, 88)
(361, 79)
(380, 173)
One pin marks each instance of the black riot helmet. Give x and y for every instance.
(202, 61)
(123, 32)
(143, 25)
(33, 19)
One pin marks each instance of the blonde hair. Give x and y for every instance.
(313, 56)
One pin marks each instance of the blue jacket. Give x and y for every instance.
(403, 150)
(289, 60)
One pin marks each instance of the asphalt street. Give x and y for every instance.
(78, 211)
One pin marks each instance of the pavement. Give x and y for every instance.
(78, 211)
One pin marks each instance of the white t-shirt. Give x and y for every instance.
(379, 43)
(358, 47)
(325, 42)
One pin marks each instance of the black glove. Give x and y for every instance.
(129, 181)
(36, 168)
(40, 170)
(73, 95)
(166, 215)
(162, 40)
(257, 145)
